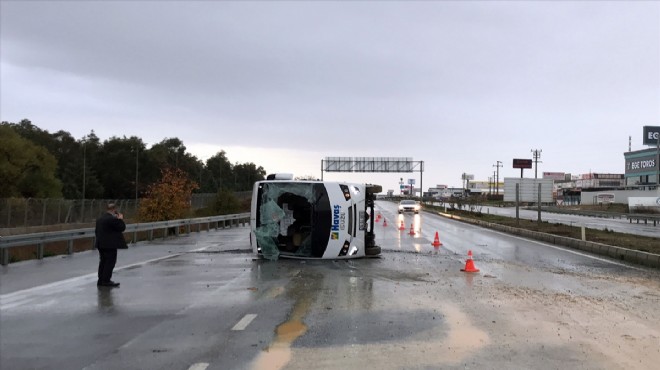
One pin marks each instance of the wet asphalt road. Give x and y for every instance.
(204, 302)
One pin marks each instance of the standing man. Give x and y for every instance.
(109, 237)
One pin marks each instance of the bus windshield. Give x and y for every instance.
(292, 218)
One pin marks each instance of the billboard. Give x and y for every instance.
(644, 204)
(522, 163)
(556, 176)
(529, 190)
(642, 162)
(651, 134)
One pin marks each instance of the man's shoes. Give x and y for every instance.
(110, 283)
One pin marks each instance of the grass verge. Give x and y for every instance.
(609, 237)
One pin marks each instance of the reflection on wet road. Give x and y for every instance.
(531, 306)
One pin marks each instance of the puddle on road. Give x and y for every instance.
(463, 338)
(278, 354)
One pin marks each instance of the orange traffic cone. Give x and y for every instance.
(378, 218)
(412, 230)
(402, 227)
(436, 242)
(384, 222)
(469, 264)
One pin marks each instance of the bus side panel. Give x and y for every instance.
(340, 236)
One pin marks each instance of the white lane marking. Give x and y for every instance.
(245, 321)
(199, 366)
(11, 300)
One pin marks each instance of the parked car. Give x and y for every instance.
(408, 205)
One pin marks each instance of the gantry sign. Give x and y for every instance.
(373, 164)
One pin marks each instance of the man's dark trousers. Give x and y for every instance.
(108, 259)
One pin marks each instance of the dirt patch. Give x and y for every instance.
(622, 328)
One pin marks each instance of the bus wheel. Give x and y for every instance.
(374, 189)
(372, 251)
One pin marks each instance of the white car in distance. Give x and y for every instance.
(408, 205)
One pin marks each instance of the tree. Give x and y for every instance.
(219, 173)
(26, 170)
(115, 163)
(171, 153)
(226, 203)
(169, 198)
(246, 174)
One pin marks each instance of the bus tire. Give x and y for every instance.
(374, 189)
(372, 251)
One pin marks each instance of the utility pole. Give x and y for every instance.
(84, 169)
(493, 182)
(537, 156)
(497, 178)
(82, 204)
(137, 151)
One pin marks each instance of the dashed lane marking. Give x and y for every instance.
(245, 321)
(199, 366)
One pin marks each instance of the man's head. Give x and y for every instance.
(110, 207)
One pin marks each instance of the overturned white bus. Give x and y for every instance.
(313, 219)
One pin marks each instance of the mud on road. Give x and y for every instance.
(419, 311)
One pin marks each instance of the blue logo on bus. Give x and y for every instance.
(335, 218)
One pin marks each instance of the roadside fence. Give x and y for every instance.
(136, 231)
(29, 212)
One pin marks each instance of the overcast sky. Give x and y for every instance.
(458, 85)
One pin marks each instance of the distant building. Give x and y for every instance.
(641, 168)
(600, 181)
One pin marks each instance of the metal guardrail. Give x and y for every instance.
(41, 239)
(644, 217)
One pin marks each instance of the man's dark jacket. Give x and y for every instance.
(109, 231)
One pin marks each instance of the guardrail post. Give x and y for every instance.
(40, 251)
(5, 256)
(69, 247)
(135, 236)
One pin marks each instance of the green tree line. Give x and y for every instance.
(38, 164)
